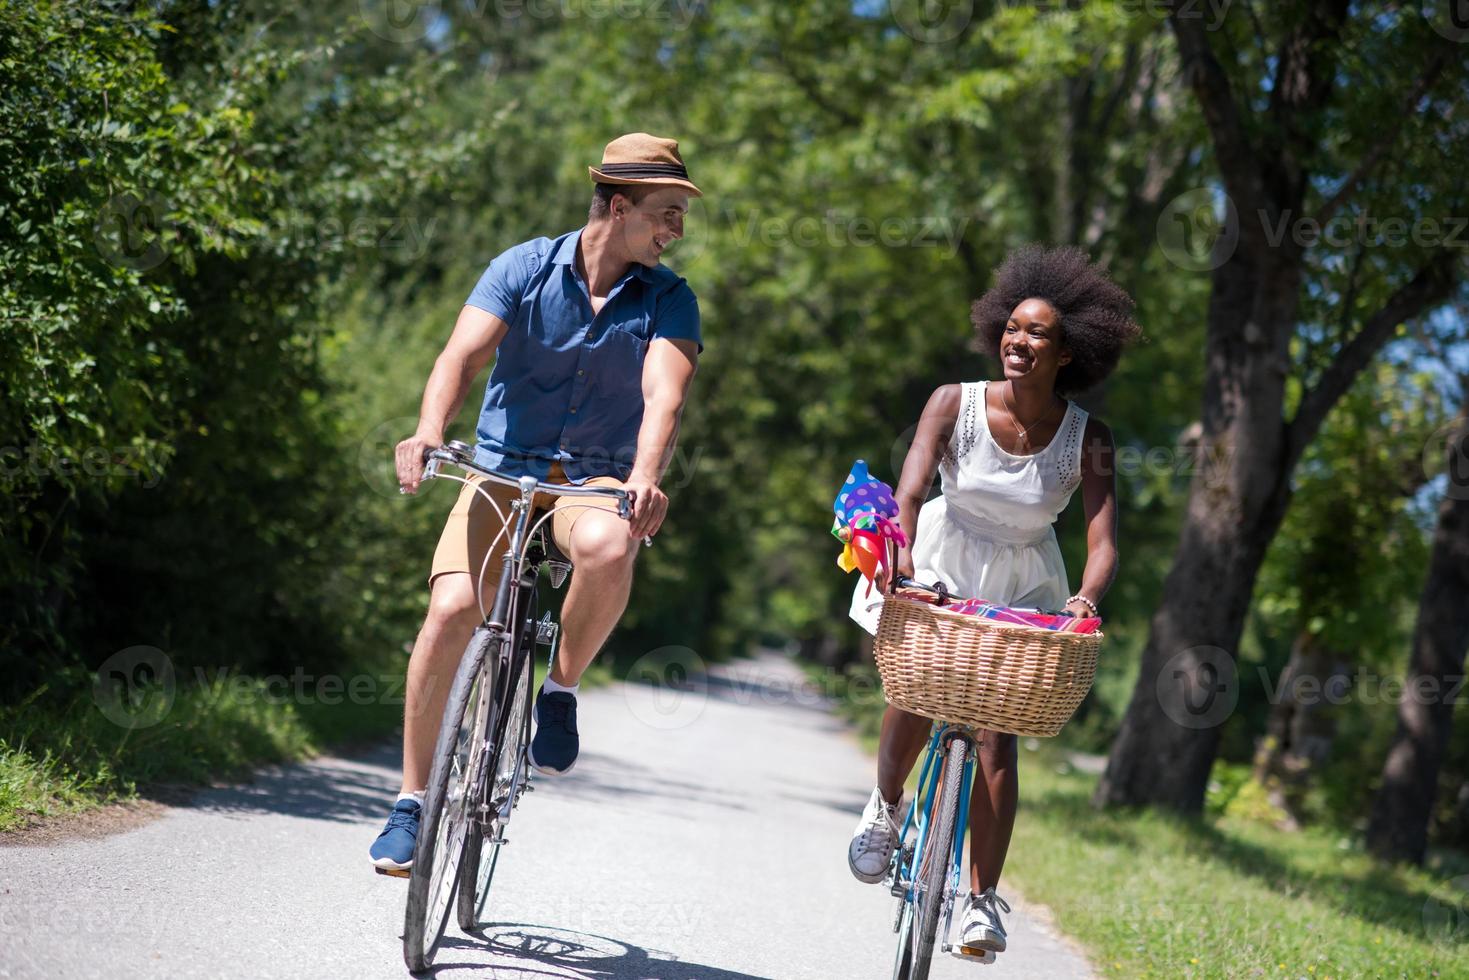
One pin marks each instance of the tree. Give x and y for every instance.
(1403, 806)
(1343, 568)
(1300, 128)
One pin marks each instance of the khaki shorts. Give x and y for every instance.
(473, 524)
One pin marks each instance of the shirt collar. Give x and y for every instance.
(565, 254)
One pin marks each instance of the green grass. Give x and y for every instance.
(62, 759)
(1153, 895)
(1157, 896)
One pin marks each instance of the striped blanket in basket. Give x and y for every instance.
(1020, 617)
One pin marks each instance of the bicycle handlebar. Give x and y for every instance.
(461, 454)
(938, 588)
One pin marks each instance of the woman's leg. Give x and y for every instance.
(992, 809)
(902, 740)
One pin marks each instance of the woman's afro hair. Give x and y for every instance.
(1095, 314)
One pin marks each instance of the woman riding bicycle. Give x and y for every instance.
(1011, 453)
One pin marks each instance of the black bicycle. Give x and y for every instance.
(480, 768)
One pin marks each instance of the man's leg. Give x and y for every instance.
(603, 553)
(452, 616)
(453, 613)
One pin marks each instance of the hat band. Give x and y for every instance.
(635, 170)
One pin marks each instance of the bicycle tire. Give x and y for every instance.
(427, 910)
(903, 964)
(505, 762)
(935, 862)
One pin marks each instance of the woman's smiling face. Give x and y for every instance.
(1031, 343)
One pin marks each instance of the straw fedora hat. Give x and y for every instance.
(638, 158)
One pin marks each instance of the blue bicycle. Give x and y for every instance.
(925, 872)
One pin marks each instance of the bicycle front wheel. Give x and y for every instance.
(444, 825)
(506, 776)
(934, 865)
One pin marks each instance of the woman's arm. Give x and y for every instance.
(929, 444)
(1099, 494)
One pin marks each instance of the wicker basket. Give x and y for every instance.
(975, 671)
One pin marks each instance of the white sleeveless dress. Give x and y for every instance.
(989, 534)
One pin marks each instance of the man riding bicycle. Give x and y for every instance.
(595, 345)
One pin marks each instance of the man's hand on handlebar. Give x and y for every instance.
(649, 507)
(408, 458)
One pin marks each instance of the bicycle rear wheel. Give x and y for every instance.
(445, 819)
(505, 780)
(934, 865)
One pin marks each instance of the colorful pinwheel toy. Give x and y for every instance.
(866, 520)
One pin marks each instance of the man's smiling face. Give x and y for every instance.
(654, 223)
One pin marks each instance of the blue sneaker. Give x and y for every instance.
(553, 750)
(392, 852)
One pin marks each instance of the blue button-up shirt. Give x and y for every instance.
(567, 385)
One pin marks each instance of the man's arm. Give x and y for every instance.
(476, 336)
(668, 370)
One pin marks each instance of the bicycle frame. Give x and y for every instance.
(945, 738)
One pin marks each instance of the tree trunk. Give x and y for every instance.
(1301, 726)
(1237, 498)
(1403, 807)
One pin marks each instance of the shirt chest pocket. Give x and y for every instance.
(616, 366)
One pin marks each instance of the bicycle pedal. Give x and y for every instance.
(974, 953)
(394, 872)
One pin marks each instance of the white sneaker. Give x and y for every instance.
(874, 840)
(981, 927)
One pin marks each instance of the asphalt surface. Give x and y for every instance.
(702, 836)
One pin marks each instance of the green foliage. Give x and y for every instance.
(181, 209)
(234, 236)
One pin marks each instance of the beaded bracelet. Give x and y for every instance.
(1084, 601)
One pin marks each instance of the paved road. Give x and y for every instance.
(701, 837)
